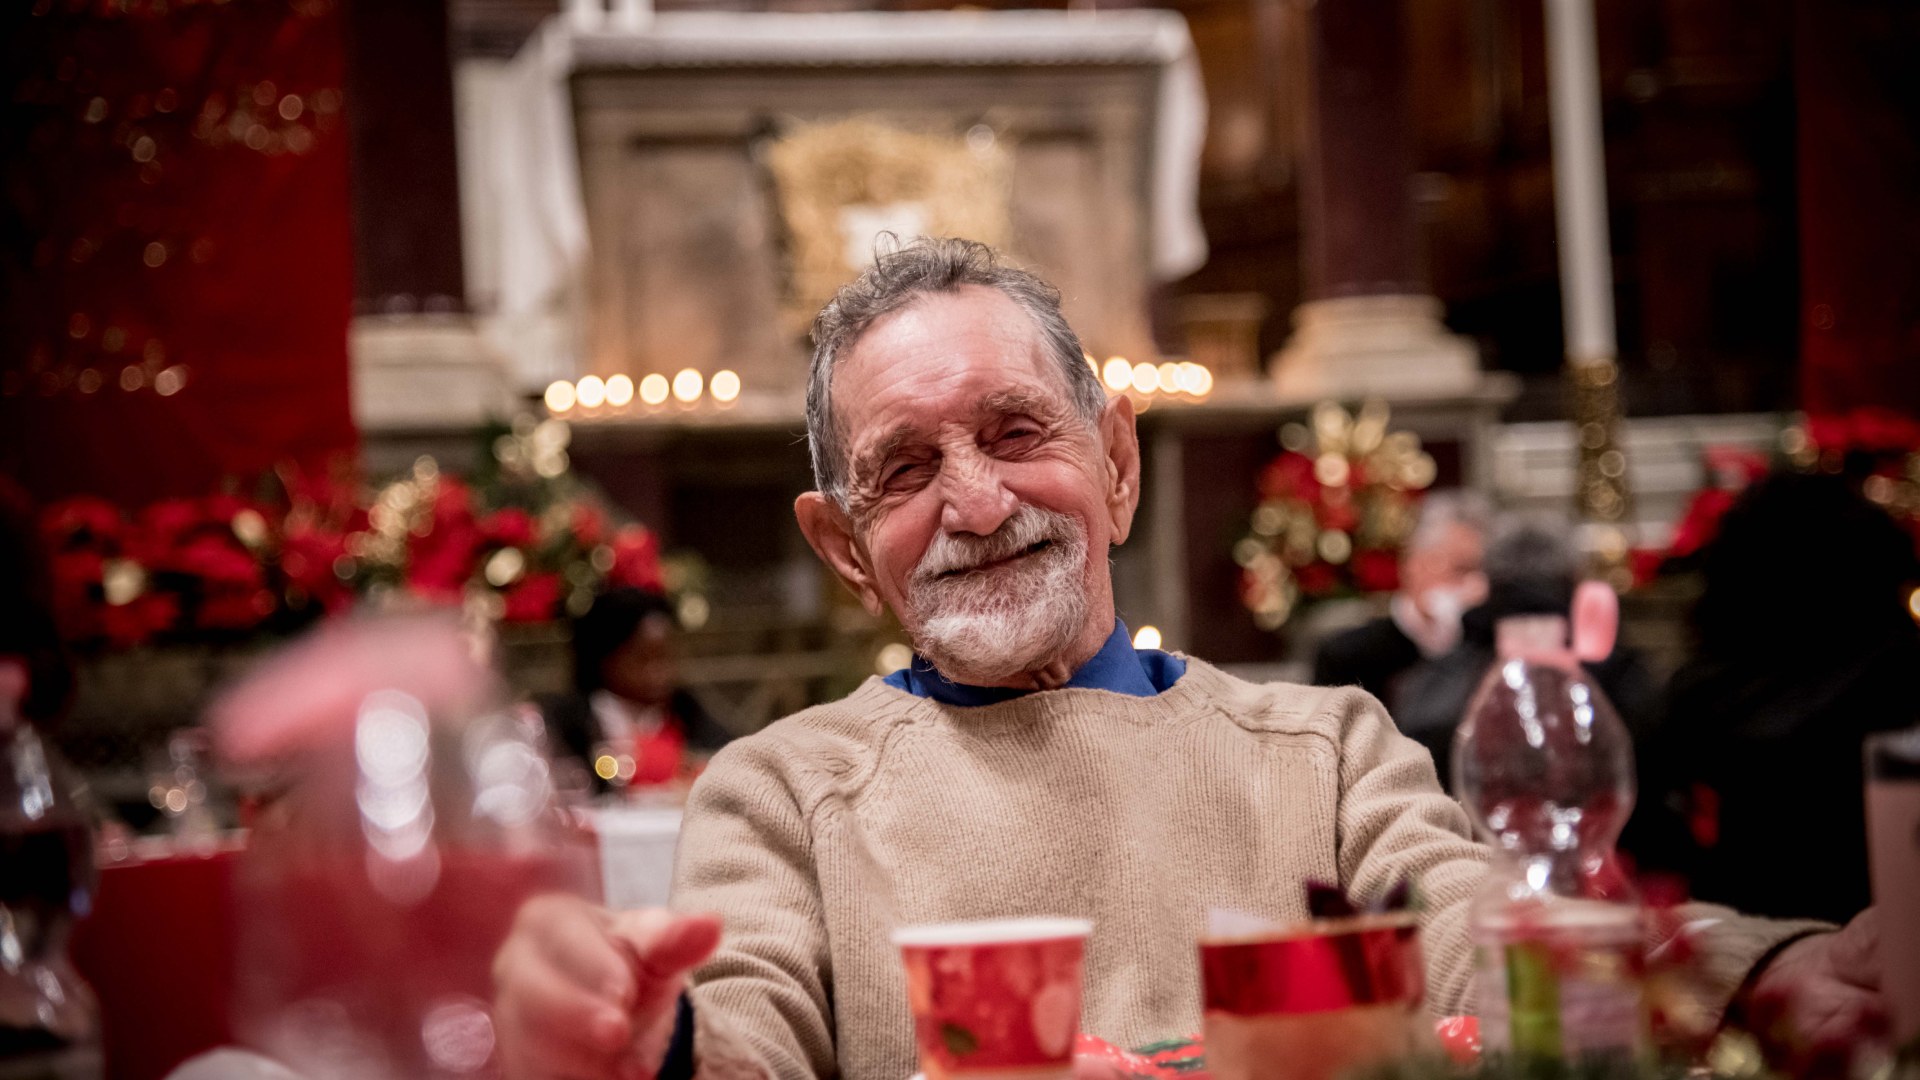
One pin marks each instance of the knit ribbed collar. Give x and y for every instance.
(1201, 689)
(1118, 667)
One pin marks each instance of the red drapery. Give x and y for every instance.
(1858, 97)
(177, 275)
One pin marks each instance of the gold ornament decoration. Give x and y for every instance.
(841, 183)
(1335, 507)
(1602, 490)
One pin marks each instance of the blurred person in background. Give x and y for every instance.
(1440, 578)
(1531, 569)
(626, 703)
(1804, 644)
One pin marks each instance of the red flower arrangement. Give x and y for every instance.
(1335, 507)
(526, 541)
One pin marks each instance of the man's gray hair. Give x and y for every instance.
(1443, 509)
(898, 277)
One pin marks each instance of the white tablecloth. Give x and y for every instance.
(636, 854)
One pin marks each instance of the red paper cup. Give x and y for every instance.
(1324, 997)
(995, 1000)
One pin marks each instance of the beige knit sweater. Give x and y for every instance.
(818, 836)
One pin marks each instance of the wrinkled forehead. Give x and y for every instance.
(946, 358)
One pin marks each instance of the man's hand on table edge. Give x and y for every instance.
(1826, 986)
(583, 993)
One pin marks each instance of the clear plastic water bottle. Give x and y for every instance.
(1545, 767)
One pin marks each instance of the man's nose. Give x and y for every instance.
(975, 501)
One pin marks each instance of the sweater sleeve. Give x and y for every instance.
(1729, 945)
(1393, 822)
(746, 855)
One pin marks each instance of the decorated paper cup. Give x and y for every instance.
(1324, 997)
(995, 1000)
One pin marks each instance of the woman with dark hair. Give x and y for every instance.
(1805, 644)
(627, 719)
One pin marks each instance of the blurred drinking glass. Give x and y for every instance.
(1893, 840)
(413, 815)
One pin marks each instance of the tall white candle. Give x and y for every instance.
(587, 15)
(1580, 180)
(631, 16)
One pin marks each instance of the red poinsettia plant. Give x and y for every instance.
(524, 540)
(1335, 508)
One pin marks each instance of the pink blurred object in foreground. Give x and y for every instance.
(310, 694)
(412, 816)
(1460, 1037)
(1596, 621)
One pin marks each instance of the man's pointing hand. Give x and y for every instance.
(583, 993)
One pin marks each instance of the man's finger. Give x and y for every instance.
(1856, 950)
(664, 945)
(569, 1015)
(684, 945)
(560, 1029)
(577, 942)
(1834, 1015)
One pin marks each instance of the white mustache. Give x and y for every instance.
(1029, 525)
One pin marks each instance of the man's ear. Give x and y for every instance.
(828, 530)
(1121, 444)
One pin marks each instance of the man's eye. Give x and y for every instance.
(905, 473)
(1016, 437)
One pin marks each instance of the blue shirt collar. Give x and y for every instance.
(1117, 667)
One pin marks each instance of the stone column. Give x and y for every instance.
(417, 362)
(1369, 325)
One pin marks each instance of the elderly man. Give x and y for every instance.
(972, 476)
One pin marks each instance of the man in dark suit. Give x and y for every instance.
(1440, 578)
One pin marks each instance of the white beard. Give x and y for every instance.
(988, 626)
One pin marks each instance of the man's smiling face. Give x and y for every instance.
(980, 504)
